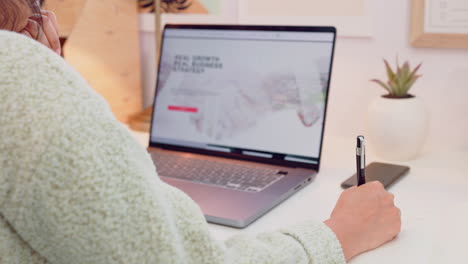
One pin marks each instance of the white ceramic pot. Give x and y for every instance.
(397, 128)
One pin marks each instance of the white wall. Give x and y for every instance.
(443, 87)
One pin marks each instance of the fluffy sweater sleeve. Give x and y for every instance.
(75, 187)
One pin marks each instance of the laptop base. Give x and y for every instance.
(236, 208)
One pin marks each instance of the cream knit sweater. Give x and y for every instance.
(75, 187)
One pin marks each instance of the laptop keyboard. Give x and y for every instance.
(248, 178)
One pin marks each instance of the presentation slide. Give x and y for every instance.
(249, 92)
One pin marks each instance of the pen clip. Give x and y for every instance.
(361, 151)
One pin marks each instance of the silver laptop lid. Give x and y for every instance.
(250, 92)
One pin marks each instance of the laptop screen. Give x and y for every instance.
(250, 90)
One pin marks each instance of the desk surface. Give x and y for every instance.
(433, 199)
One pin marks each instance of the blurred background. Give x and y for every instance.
(369, 31)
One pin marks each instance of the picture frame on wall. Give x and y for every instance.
(439, 24)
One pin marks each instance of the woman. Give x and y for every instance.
(75, 187)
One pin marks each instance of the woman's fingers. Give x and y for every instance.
(42, 38)
(53, 18)
(35, 30)
(26, 33)
(51, 34)
(50, 31)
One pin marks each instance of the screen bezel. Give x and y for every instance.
(325, 29)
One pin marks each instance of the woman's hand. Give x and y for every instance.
(46, 34)
(364, 218)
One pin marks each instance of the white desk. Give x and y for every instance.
(433, 199)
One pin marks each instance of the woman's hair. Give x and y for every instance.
(9, 11)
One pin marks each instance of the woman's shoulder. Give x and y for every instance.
(37, 84)
(24, 59)
(28, 68)
(6, 34)
(13, 44)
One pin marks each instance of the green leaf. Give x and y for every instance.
(391, 75)
(411, 82)
(393, 84)
(416, 68)
(403, 78)
(383, 85)
(398, 65)
(412, 74)
(406, 68)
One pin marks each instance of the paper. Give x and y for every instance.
(446, 16)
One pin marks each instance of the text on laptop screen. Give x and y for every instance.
(260, 92)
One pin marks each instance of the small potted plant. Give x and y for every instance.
(397, 122)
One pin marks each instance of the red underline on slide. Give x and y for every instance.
(182, 108)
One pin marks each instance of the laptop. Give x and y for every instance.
(239, 114)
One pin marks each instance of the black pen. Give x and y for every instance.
(360, 161)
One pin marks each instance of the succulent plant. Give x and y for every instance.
(399, 82)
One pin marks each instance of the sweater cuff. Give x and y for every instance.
(319, 242)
